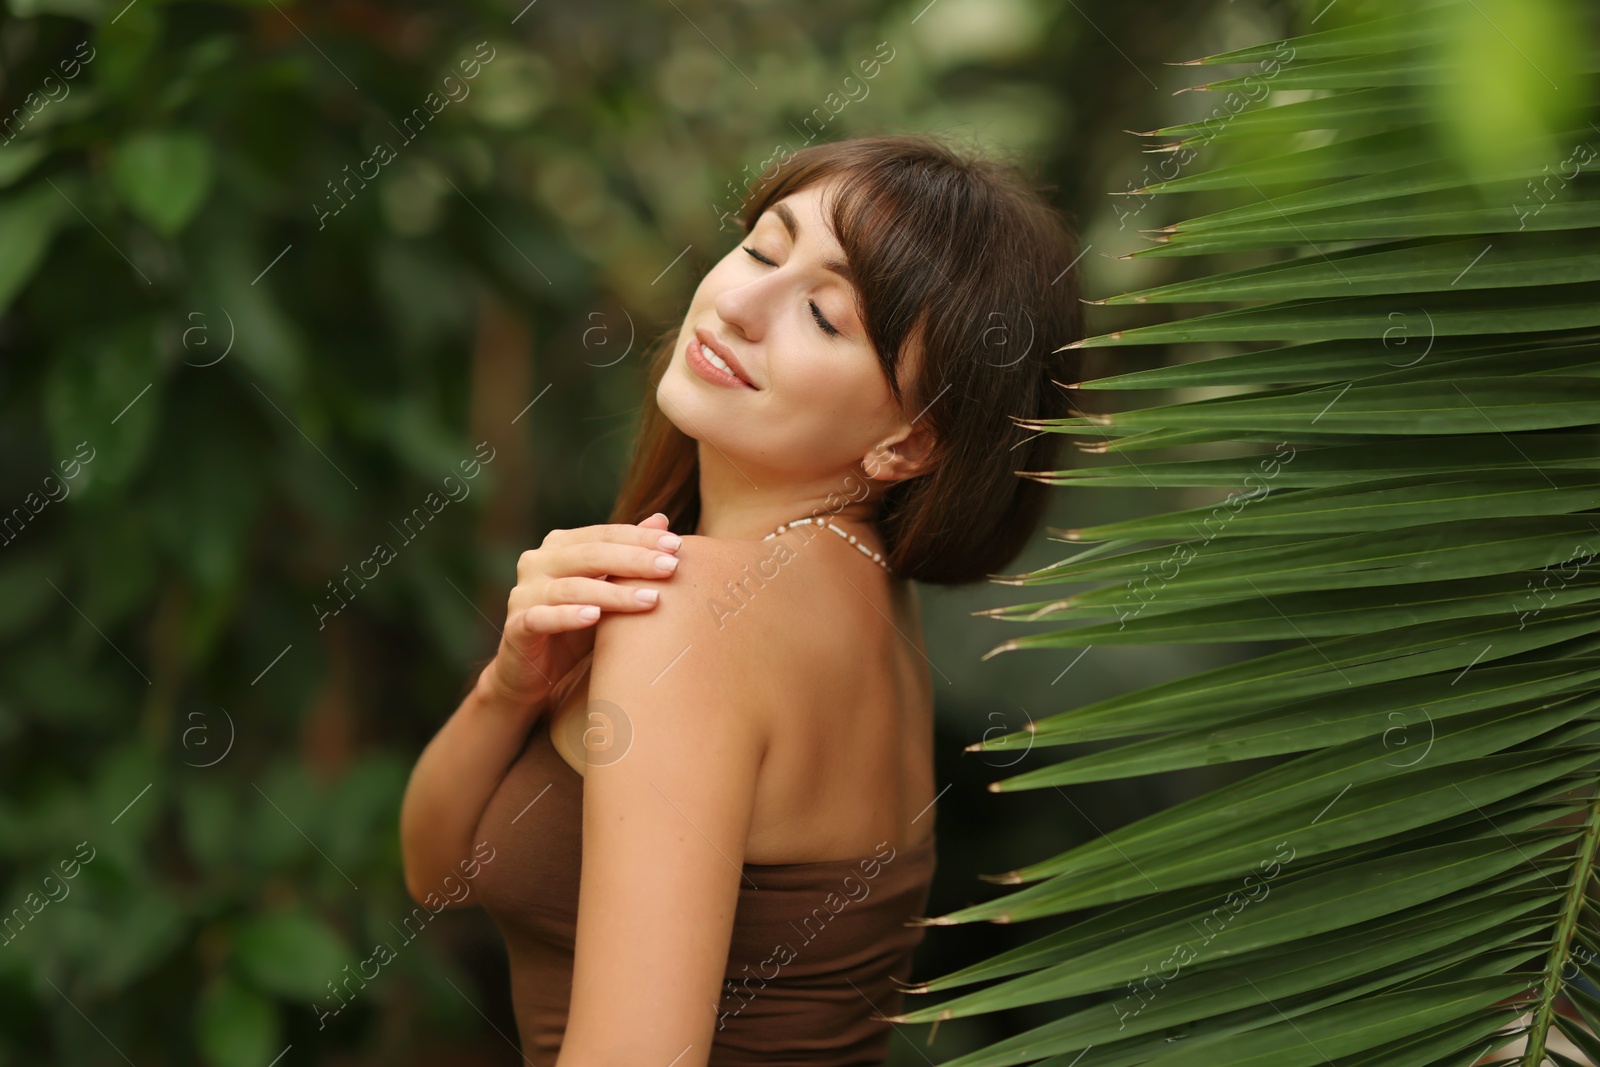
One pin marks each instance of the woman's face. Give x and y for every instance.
(782, 306)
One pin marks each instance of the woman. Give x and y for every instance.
(701, 767)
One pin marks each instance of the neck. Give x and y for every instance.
(747, 504)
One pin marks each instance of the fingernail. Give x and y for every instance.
(669, 541)
(666, 563)
(646, 596)
(589, 614)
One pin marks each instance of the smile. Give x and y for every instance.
(712, 367)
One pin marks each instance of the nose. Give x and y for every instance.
(747, 306)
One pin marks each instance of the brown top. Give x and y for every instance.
(801, 938)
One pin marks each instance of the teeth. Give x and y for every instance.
(716, 361)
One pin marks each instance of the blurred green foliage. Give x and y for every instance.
(252, 389)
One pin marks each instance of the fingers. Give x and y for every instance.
(571, 569)
(639, 551)
(568, 598)
(527, 629)
(596, 558)
(610, 549)
(568, 574)
(601, 593)
(648, 534)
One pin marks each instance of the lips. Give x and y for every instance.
(711, 346)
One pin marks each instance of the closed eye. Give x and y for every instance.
(816, 313)
(827, 327)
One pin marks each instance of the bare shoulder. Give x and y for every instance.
(683, 649)
(747, 618)
(719, 578)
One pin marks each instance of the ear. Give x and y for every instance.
(905, 455)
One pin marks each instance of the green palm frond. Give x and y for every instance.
(1397, 387)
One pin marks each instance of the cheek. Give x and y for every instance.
(840, 389)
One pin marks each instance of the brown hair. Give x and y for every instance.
(960, 256)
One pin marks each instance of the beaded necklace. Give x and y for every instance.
(876, 557)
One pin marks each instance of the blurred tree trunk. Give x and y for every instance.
(328, 735)
(502, 387)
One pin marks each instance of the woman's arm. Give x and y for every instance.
(665, 825)
(562, 587)
(453, 780)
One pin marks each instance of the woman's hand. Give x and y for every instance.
(561, 590)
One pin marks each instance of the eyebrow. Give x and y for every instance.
(790, 223)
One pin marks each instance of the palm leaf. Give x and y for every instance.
(1395, 399)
